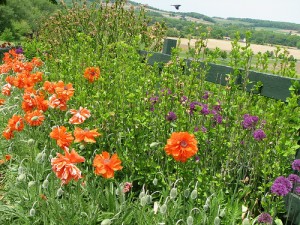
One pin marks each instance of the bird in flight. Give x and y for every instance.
(176, 6)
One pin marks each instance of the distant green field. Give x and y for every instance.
(226, 21)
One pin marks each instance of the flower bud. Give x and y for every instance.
(32, 212)
(21, 177)
(190, 220)
(106, 222)
(222, 213)
(163, 209)
(205, 208)
(21, 170)
(217, 221)
(30, 141)
(173, 193)
(31, 183)
(59, 192)
(207, 202)
(194, 194)
(81, 147)
(155, 181)
(144, 200)
(246, 221)
(142, 194)
(186, 193)
(45, 184)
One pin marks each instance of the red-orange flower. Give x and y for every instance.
(79, 116)
(2, 101)
(16, 123)
(92, 73)
(7, 157)
(106, 166)
(85, 135)
(6, 89)
(62, 137)
(181, 146)
(64, 91)
(64, 166)
(34, 118)
(8, 133)
(49, 86)
(57, 103)
(37, 62)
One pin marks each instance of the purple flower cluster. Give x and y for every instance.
(281, 186)
(265, 218)
(249, 122)
(294, 178)
(171, 116)
(296, 164)
(19, 50)
(259, 135)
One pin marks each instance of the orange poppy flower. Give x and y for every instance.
(8, 133)
(62, 137)
(2, 161)
(37, 62)
(79, 116)
(85, 135)
(49, 86)
(181, 146)
(92, 73)
(6, 89)
(34, 118)
(55, 102)
(106, 166)
(64, 168)
(64, 91)
(7, 157)
(2, 101)
(16, 123)
(33, 99)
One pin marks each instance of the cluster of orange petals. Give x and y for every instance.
(6, 90)
(91, 73)
(2, 101)
(33, 99)
(106, 166)
(15, 123)
(86, 135)
(79, 116)
(6, 158)
(25, 79)
(62, 137)
(181, 146)
(34, 118)
(64, 166)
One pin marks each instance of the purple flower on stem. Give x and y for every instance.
(197, 158)
(154, 100)
(297, 190)
(19, 50)
(259, 135)
(296, 164)
(166, 91)
(205, 111)
(193, 107)
(249, 121)
(203, 129)
(183, 100)
(294, 178)
(281, 186)
(265, 218)
(218, 118)
(217, 107)
(171, 116)
(205, 95)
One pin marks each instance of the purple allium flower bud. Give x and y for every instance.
(183, 99)
(249, 121)
(281, 186)
(218, 118)
(259, 135)
(294, 178)
(203, 129)
(154, 100)
(217, 107)
(166, 91)
(19, 50)
(265, 218)
(296, 164)
(205, 111)
(206, 95)
(193, 107)
(197, 158)
(171, 116)
(297, 190)
(196, 129)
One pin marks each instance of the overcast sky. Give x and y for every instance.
(275, 10)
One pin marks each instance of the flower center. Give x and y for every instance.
(106, 161)
(183, 144)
